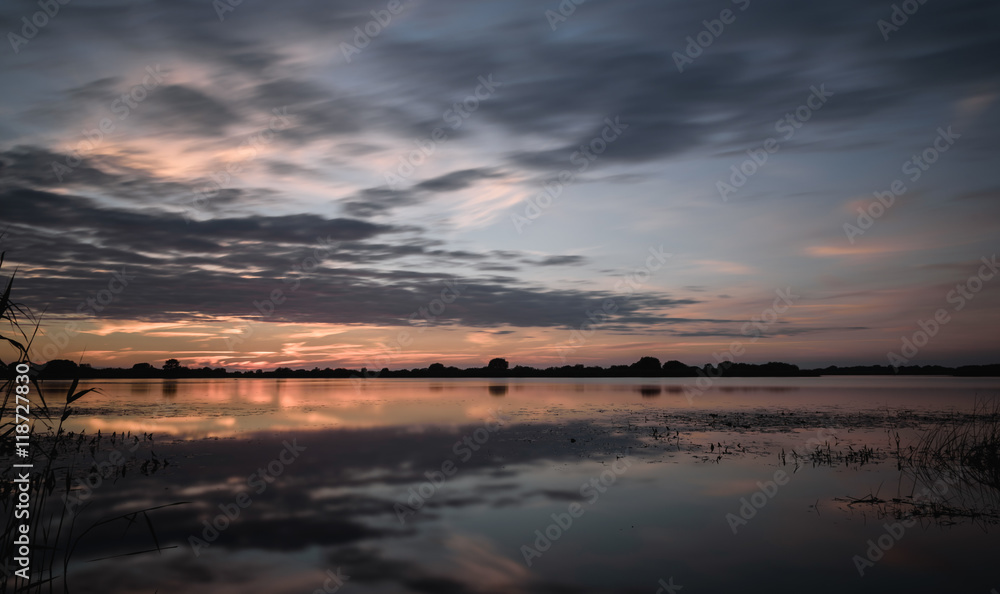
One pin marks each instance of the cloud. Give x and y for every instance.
(217, 267)
(457, 180)
(382, 201)
(562, 261)
(379, 201)
(183, 110)
(723, 267)
(350, 122)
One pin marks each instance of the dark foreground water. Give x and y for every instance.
(534, 486)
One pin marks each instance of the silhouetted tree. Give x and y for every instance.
(59, 368)
(143, 370)
(171, 366)
(674, 368)
(646, 367)
(498, 365)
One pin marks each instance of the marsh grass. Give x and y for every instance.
(971, 442)
(59, 460)
(951, 472)
(963, 453)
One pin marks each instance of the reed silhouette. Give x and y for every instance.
(60, 462)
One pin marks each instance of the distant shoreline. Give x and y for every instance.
(647, 367)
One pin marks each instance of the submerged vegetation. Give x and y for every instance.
(970, 442)
(951, 472)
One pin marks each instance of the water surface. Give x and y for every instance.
(645, 484)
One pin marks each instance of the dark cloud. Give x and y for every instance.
(770, 333)
(102, 89)
(383, 200)
(565, 85)
(757, 67)
(279, 167)
(562, 261)
(35, 167)
(359, 148)
(379, 201)
(183, 110)
(457, 180)
(554, 94)
(31, 166)
(217, 266)
(254, 61)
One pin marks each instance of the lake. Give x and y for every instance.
(610, 485)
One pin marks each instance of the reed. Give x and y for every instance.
(971, 442)
(960, 456)
(58, 458)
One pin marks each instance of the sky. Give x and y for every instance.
(392, 183)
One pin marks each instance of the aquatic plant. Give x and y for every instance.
(57, 459)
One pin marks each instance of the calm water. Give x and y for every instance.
(440, 486)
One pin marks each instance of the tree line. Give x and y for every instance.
(500, 368)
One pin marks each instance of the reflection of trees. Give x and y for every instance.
(650, 391)
(497, 389)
